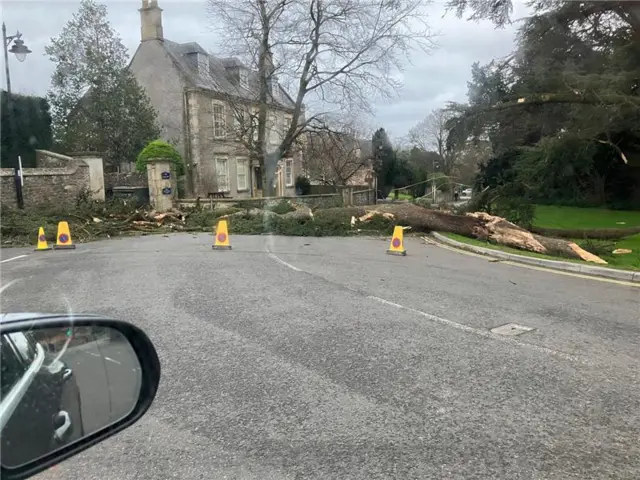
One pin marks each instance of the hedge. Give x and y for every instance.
(160, 149)
(32, 129)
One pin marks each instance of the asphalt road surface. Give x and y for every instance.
(291, 358)
(108, 377)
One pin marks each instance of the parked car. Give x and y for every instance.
(40, 398)
(467, 192)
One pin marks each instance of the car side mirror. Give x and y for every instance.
(61, 393)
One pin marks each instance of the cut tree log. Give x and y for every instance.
(482, 226)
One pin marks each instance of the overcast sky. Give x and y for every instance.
(429, 82)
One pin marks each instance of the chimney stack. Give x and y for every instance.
(150, 21)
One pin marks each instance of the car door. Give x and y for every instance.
(28, 432)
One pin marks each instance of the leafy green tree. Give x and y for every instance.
(384, 161)
(564, 107)
(28, 130)
(96, 102)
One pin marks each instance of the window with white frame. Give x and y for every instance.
(288, 172)
(273, 129)
(242, 166)
(222, 174)
(219, 120)
(254, 123)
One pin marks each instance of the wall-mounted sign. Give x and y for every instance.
(166, 191)
(166, 175)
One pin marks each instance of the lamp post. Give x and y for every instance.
(20, 50)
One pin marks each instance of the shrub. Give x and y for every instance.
(601, 248)
(160, 149)
(516, 210)
(282, 207)
(303, 185)
(423, 201)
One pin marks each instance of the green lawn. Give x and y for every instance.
(630, 261)
(625, 262)
(401, 196)
(551, 216)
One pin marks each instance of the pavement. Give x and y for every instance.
(290, 358)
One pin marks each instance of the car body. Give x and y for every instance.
(37, 386)
(41, 407)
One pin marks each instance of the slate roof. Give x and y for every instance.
(217, 78)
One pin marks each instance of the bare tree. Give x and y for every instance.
(338, 55)
(430, 134)
(333, 154)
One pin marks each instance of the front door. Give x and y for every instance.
(257, 182)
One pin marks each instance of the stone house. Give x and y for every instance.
(202, 103)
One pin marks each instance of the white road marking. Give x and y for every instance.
(7, 285)
(13, 258)
(93, 354)
(572, 274)
(482, 332)
(279, 260)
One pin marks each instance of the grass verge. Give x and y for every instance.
(624, 262)
(573, 218)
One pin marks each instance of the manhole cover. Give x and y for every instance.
(511, 329)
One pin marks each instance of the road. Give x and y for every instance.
(108, 378)
(290, 358)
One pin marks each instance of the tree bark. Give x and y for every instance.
(482, 226)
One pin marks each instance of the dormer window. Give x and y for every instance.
(200, 62)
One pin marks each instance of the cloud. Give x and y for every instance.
(429, 80)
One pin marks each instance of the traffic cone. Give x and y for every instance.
(42, 241)
(397, 243)
(221, 236)
(63, 240)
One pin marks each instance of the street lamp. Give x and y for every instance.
(19, 49)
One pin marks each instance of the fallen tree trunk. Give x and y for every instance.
(482, 226)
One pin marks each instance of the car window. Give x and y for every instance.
(24, 345)
(11, 368)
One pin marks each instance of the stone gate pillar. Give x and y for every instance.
(163, 184)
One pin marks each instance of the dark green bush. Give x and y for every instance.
(516, 210)
(303, 185)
